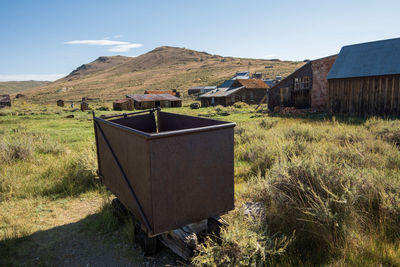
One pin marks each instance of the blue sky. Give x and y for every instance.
(48, 39)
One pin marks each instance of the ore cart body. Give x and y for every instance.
(169, 170)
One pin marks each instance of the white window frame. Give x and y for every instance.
(305, 82)
(296, 83)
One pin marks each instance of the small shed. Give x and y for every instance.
(60, 103)
(84, 105)
(123, 104)
(5, 101)
(146, 101)
(365, 79)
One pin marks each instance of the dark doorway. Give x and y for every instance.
(158, 104)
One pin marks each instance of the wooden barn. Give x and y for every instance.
(146, 101)
(250, 91)
(365, 79)
(5, 101)
(307, 87)
(123, 104)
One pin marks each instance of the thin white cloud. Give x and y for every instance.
(30, 77)
(97, 42)
(117, 36)
(116, 46)
(124, 48)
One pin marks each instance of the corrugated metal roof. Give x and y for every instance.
(269, 82)
(196, 88)
(226, 84)
(122, 100)
(252, 83)
(221, 92)
(153, 97)
(367, 59)
(157, 92)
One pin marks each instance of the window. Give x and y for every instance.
(251, 96)
(243, 97)
(212, 100)
(305, 82)
(233, 98)
(296, 83)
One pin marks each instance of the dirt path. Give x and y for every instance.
(67, 242)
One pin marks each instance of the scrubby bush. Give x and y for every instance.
(245, 242)
(333, 184)
(240, 105)
(15, 149)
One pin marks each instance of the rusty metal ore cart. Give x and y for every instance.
(168, 170)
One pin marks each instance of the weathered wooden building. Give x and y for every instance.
(365, 79)
(250, 91)
(146, 101)
(5, 101)
(307, 87)
(84, 105)
(123, 104)
(60, 102)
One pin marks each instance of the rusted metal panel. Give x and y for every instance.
(181, 174)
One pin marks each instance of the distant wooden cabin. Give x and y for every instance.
(84, 105)
(146, 101)
(123, 104)
(60, 103)
(157, 92)
(365, 79)
(250, 91)
(5, 101)
(307, 87)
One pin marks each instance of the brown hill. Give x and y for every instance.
(163, 68)
(15, 87)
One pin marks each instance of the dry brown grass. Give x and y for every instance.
(111, 78)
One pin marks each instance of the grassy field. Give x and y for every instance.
(330, 188)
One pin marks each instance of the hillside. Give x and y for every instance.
(162, 68)
(16, 87)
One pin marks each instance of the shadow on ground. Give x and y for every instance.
(74, 245)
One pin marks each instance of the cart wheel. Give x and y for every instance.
(148, 244)
(119, 210)
(214, 226)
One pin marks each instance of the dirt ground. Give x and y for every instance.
(69, 243)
